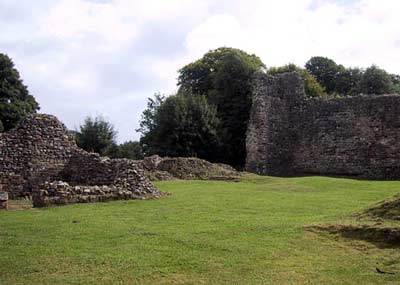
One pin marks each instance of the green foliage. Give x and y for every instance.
(224, 77)
(325, 70)
(182, 125)
(1, 127)
(352, 81)
(395, 83)
(15, 100)
(311, 86)
(206, 232)
(375, 81)
(148, 121)
(97, 135)
(131, 150)
(347, 80)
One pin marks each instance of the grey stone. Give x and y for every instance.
(289, 134)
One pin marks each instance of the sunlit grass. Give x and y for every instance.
(208, 232)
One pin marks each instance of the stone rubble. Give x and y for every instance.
(167, 168)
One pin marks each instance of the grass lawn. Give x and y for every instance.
(206, 232)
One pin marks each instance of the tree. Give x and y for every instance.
(15, 100)
(325, 70)
(224, 77)
(311, 86)
(96, 135)
(347, 80)
(147, 122)
(395, 83)
(375, 81)
(131, 150)
(183, 125)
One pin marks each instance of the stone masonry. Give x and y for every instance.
(291, 135)
(40, 152)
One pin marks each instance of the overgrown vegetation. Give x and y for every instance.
(206, 232)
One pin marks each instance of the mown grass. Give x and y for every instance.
(206, 232)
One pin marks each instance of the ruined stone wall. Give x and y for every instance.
(41, 150)
(289, 134)
(34, 152)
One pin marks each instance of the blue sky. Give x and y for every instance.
(89, 57)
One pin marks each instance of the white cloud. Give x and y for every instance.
(359, 33)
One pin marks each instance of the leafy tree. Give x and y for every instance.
(325, 70)
(147, 122)
(311, 86)
(130, 150)
(183, 125)
(224, 77)
(15, 100)
(347, 80)
(395, 83)
(375, 81)
(96, 135)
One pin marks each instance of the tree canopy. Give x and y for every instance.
(182, 125)
(224, 77)
(96, 135)
(131, 150)
(325, 70)
(375, 81)
(339, 80)
(15, 100)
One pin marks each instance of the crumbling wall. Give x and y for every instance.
(41, 150)
(289, 134)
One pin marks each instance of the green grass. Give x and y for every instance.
(206, 232)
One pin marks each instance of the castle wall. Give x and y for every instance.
(356, 136)
(41, 151)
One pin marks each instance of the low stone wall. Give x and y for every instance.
(61, 193)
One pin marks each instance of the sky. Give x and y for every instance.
(106, 57)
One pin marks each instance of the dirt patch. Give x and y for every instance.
(389, 209)
(380, 236)
(19, 204)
